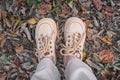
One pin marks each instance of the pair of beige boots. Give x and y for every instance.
(74, 35)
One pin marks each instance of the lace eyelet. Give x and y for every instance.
(68, 40)
(68, 44)
(50, 42)
(51, 51)
(69, 36)
(50, 46)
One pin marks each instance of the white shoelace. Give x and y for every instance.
(44, 48)
(75, 48)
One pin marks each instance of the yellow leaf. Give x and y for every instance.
(4, 15)
(14, 35)
(107, 40)
(84, 55)
(32, 21)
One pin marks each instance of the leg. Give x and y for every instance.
(74, 35)
(78, 70)
(46, 70)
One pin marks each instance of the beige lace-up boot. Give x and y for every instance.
(45, 35)
(74, 35)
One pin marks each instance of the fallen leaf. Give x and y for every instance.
(84, 54)
(91, 33)
(45, 8)
(96, 23)
(16, 23)
(101, 77)
(2, 43)
(105, 39)
(105, 72)
(98, 4)
(4, 59)
(8, 23)
(106, 14)
(17, 63)
(88, 22)
(84, 11)
(32, 21)
(18, 49)
(1, 37)
(3, 76)
(4, 15)
(106, 56)
(75, 11)
(71, 3)
(64, 10)
(25, 29)
(93, 65)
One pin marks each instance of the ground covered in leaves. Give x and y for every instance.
(18, 19)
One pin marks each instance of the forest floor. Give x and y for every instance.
(18, 19)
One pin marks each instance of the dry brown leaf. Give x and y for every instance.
(18, 49)
(2, 43)
(45, 8)
(88, 22)
(91, 33)
(98, 4)
(84, 11)
(96, 42)
(3, 76)
(105, 39)
(75, 11)
(17, 63)
(2, 37)
(4, 15)
(25, 29)
(64, 10)
(106, 14)
(19, 2)
(106, 56)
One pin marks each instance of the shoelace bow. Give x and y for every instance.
(75, 46)
(44, 47)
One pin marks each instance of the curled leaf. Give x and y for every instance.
(106, 56)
